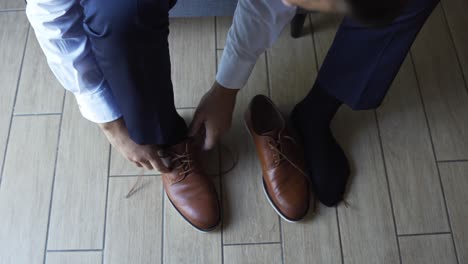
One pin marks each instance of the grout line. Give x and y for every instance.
(215, 47)
(434, 153)
(317, 66)
(216, 34)
(339, 235)
(163, 215)
(251, 244)
(388, 184)
(425, 234)
(220, 161)
(135, 175)
(460, 65)
(13, 10)
(186, 108)
(220, 168)
(39, 114)
(106, 203)
(20, 71)
(52, 189)
(452, 161)
(267, 68)
(73, 250)
(281, 239)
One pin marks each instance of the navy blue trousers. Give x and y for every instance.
(363, 62)
(130, 42)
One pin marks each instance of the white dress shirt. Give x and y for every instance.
(58, 27)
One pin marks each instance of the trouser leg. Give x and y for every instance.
(363, 62)
(130, 42)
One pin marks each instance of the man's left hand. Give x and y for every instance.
(214, 113)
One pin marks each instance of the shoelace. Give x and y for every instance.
(277, 146)
(185, 160)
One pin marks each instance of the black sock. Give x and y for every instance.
(325, 160)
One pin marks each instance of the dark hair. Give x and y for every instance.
(376, 13)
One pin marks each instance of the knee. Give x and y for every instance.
(104, 16)
(417, 8)
(121, 17)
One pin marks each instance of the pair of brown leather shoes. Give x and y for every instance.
(285, 184)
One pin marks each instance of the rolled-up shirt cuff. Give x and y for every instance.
(99, 106)
(234, 72)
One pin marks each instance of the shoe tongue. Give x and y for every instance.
(273, 133)
(180, 148)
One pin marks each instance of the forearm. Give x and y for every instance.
(59, 31)
(256, 26)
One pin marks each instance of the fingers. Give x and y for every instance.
(158, 164)
(211, 137)
(146, 164)
(196, 124)
(142, 164)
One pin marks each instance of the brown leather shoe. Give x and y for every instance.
(190, 191)
(284, 181)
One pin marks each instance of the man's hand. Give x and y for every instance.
(214, 113)
(141, 155)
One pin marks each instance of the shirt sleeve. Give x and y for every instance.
(59, 30)
(257, 24)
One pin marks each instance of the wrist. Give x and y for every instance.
(113, 125)
(223, 91)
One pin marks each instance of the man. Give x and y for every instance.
(368, 50)
(113, 55)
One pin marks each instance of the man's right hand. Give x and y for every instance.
(141, 155)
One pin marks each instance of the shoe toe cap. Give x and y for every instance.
(204, 214)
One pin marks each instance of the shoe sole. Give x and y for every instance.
(285, 218)
(191, 224)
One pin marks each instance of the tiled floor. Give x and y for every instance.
(62, 186)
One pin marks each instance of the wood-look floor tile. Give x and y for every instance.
(455, 182)
(300, 240)
(412, 172)
(77, 217)
(121, 166)
(26, 189)
(12, 38)
(192, 48)
(315, 240)
(183, 243)
(457, 21)
(12, 4)
(39, 91)
(74, 257)
(443, 89)
(366, 225)
(134, 225)
(324, 28)
(292, 69)
(427, 249)
(253, 254)
(248, 217)
(222, 27)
